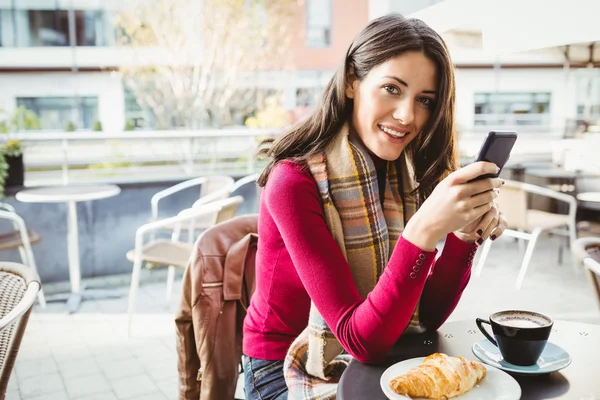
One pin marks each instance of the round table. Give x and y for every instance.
(580, 380)
(593, 197)
(70, 194)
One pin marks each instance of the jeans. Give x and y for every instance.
(263, 380)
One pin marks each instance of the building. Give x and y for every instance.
(57, 58)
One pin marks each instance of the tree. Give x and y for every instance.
(212, 52)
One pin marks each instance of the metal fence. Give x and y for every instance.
(55, 157)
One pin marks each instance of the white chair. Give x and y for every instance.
(212, 188)
(20, 238)
(170, 252)
(528, 224)
(249, 180)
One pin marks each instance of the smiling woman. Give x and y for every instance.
(393, 103)
(355, 199)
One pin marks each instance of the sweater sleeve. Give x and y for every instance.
(366, 328)
(447, 281)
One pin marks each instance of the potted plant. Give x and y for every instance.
(12, 172)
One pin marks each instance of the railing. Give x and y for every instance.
(55, 157)
(522, 121)
(58, 157)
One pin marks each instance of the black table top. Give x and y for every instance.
(580, 380)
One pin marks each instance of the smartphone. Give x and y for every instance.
(496, 149)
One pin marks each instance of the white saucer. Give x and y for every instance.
(497, 385)
(553, 359)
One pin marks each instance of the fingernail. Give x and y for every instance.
(479, 241)
(480, 232)
(497, 169)
(493, 237)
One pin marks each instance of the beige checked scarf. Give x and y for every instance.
(366, 233)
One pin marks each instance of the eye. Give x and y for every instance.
(391, 89)
(426, 101)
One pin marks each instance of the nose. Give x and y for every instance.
(405, 111)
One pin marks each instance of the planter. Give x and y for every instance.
(16, 171)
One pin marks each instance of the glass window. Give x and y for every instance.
(47, 28)
(136, 116)
(512, 109)
(58, 112)
(93, 28)
(318, 23)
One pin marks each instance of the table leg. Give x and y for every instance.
(73, 252)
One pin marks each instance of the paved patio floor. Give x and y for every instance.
(88, 355)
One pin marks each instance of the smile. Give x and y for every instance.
(392, 132)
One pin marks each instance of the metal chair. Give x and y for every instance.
(20, 238)
(246, 181)
(173, 252)
(211, 188)
(228, 210)
(587, 252)
(528, 224)
(19, 286)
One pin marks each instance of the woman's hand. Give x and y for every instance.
(491, 225)
(454, 203)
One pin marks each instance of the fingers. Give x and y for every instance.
(489, 222)
(484, 185)
(483, 198)
(472, 171)
(500, 228)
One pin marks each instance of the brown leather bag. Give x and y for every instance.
(217, 285)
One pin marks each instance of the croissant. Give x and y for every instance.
(439, 377)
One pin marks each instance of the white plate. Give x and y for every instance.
(553, 359)
(497, 384)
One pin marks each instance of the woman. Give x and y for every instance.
(355, 199)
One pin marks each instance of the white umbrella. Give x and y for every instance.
(510, 26)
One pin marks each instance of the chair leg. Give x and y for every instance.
(135, 283)
(528, 253)
(486, 249)
(170, 280)
(28, 259)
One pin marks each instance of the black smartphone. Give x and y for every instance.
(496, 149)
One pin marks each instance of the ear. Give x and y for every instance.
(350, 83)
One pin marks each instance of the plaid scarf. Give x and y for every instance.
(366, 233)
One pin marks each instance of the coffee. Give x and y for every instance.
(519, 323)
(521, 336)
(518, 319)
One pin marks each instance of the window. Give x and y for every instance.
(512, 109)
(136, 116)
(50, 27)
(58, 112)
(588, 95)
(47, 28)
(318, 23)
(92, 28)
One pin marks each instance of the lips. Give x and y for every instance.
(394, 132)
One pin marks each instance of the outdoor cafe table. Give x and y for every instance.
(578, 381)
(71, 194)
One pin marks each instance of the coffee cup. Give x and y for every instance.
(521, 336)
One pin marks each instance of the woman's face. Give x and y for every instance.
(393, 102)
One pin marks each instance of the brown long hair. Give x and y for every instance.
(433, 152)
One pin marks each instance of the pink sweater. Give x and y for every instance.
(298, 260)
